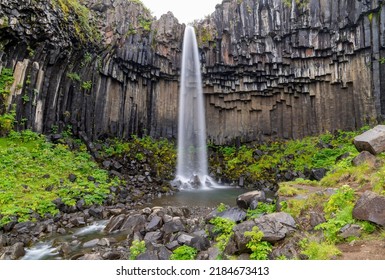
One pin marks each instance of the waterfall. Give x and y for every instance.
(192, 170)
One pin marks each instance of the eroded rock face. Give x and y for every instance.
(269, 70)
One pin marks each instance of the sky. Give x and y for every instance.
(184, 10)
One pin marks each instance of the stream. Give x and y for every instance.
(84, 238)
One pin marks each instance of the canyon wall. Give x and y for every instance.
(271, 68)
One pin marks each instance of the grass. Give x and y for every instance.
(33, 173)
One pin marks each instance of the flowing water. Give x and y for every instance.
(192, 171)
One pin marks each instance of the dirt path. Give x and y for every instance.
(363, 250)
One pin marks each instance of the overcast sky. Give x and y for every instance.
(185, 10)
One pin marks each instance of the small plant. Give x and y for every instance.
(87, 85)
(25, 98)
(260, 249)
(221, 207)
(137, 247)
(6, 80)
(184, 252)
(223, 228)
(74, 76)
(262, 208)
(319, 251)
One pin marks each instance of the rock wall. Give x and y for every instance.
(271, 68)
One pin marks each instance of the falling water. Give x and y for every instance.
(192, 171)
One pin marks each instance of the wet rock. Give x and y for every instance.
(245, 200)
(91, 257)
(154, 224)
(115, 223)
(113, 255)
(16, 251)
(364, 157)
(370, 207)
(91, 243)
(372, 140)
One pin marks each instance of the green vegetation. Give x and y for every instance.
(260, 249)
(159, 154)
(184, 252)
(319, 251)
(262, 208)
(74, 76)
(87, 85)
(85, 28)
(223, 229)
(6, 80)
(137, 247)
(263, 162)
(34, 173)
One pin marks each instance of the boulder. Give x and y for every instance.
(154, 224)
(317, 174)
(115, 223)
(372, 140)
(153, 236)
(235, 214)
(275, 227)
(134, 223)
(364, 157)
(350, 230)
(370, 207)
(245, 200)
(175, 225)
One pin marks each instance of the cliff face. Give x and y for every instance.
(271, 68)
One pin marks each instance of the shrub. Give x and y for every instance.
(184, 252)
(137, 247)
(260, 249)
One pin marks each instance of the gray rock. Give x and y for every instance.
(235, 214)
(372, 140)
(112, 255)
(245, 200)
(164, 253)
(155, 223)
(364, 157)
(200, 243)
(172, 245)
(91, 257)
(148, 255)
(134, 223)
(153, 236)
(185, 238)
(91, 243)
(370, 207)
(17, 251)
(115, 223)
(350, 230)
(175, 225)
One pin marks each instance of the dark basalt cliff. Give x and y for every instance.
(271, 68)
